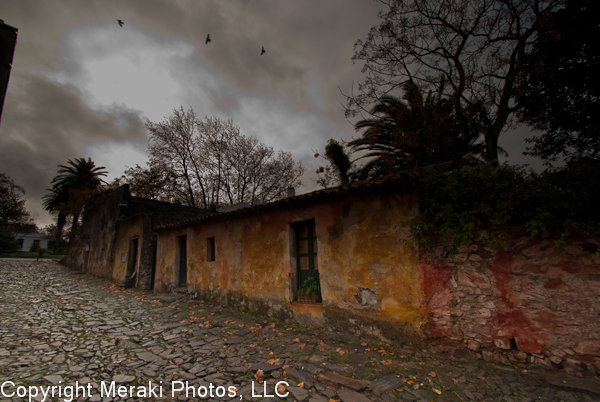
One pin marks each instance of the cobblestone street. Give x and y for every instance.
(59, 328)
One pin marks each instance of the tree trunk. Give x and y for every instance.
(73, 231)
(60, 224)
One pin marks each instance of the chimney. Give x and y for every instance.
(291, 192)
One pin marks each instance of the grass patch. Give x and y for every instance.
(29, 254)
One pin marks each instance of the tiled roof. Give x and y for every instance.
(396, 182)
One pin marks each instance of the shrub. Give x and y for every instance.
(477, 195)
(8, 243)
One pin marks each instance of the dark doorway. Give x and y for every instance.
(182, 243)
(132, 263)
(154, 249)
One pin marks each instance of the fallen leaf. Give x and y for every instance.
(432, 374)
(481, 378)
(273, 361)
(322, 344)
(386, 362)
(437, 391)
(284, 367)
(259, 374)
(364, 344)
(400, 389)
(410, 382)
(301, 385)
(297, 340)
(270, 353)
(272, 325)
(280, 388)
(454, 381)
(302, 346)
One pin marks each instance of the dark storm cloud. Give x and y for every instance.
(45, 123)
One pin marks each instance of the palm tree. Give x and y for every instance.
(75, 183)
(56, 202)
(411, 132)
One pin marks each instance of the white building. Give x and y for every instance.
(26, 240)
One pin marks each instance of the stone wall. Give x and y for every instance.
(528, 301)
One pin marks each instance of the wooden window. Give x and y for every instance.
(210, 249)
(306, 254)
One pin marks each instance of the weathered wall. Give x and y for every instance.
(92, 250)
(127, 229)
(529, 301)
(367, 259)
(111, 219)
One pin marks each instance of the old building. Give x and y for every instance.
(532, 299)
(117, 238)
(353, 240)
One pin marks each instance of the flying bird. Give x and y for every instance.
(207, 39)
(263, 51)
(120, 23)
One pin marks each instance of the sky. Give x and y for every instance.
(82, 86)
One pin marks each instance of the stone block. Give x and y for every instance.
(299, 394)
(461, 257)
(300, 376)
(335, 379)
(475, 257)
(577, 368)
(502, 343)
(473, 345)
(351, 396)
(386, 384)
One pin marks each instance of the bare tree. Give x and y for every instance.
(472, 49)
(212, 163)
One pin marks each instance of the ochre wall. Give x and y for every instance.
(127, 229)
(368, 263)
(530, 300)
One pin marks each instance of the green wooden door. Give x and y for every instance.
(306, 246)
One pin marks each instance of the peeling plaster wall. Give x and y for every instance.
(92, 251)
(367, 258)
(128, 229)
(530, 301)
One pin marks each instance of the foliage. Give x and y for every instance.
(14, 218)
(75, 183)
(27, 254)
(406, 135)
(62, 248)
(480, 196)
(207, 162)
(472, 50)
(560, 86)
(35, 246)
(339, 168)
(310, 286)
(8, 243)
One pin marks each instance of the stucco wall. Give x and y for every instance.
(530, 300)
(127, 229)
(368, 263)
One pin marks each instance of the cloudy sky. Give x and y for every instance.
(82, 86)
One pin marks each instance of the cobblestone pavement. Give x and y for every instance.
(59, 329)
